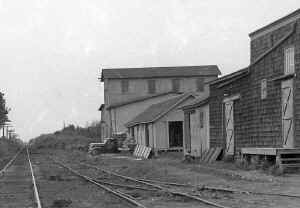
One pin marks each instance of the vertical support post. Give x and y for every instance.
(278, 162)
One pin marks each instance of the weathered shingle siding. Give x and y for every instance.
(216, 111)
(258, 122)
(296, 40)
(259, 45)
(267, 113)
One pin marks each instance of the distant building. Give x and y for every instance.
(130, 91)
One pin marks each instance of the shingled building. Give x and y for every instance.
(256, 110)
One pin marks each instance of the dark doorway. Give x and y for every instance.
(176, 133)
(146, 135)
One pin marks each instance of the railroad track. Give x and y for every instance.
(130, 189)
(17, 183)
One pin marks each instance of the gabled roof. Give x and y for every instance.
(276, 24)
(227, 79)
(156, 111)
(140, 99)
(230, 76)
(158, 72)
(198, 102)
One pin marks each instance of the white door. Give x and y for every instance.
(287, 113)
(194, 132)
(229, 127)
(204, 127)
(199, 131)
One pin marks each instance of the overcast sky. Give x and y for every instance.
(51, 51)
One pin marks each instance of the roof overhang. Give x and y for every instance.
(139, 99)
(292, 17)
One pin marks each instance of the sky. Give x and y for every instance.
(51, 51)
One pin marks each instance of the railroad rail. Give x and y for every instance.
(198, 187)
(19, 180)
(36, 193)
(148, 183)
(154, 187)
(10, 162)
(119, 194)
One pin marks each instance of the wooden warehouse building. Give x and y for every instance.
(256, 110)
(161, 125)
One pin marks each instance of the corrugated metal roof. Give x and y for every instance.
(156, 72)
(156, 111)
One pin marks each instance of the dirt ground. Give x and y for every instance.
(171, 168)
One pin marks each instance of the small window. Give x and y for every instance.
(200, 84)
(263, 89)
(201, 119)
(132, 132)
(176, 85)
(289, 60)
(151, 86)
(125, 86)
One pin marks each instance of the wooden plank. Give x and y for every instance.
(258, 151)
(215, 155)
(288, 151)
(203, 155)
(135, 150)
(148, 152)
(210, 153)
(231, 98)
(144, 151)
(140, 151)
(137, 147)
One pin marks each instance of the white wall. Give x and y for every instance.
(139, 87)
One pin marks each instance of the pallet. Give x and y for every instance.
(142, 151)
(210, 155)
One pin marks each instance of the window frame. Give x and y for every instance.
(124, 86)
(289, 59)
(151, 86)
(200, 86)
(176, 85)
(263, 89)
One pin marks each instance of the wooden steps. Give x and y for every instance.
(288, 159)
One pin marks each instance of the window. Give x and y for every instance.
(201, 119)
(200, 84)
(289, 60)
(263, 89)
(176, 85)
(151, 86)
(132, 132)
(124, 86)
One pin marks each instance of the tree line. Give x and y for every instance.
(3, 110)
(91, 130)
